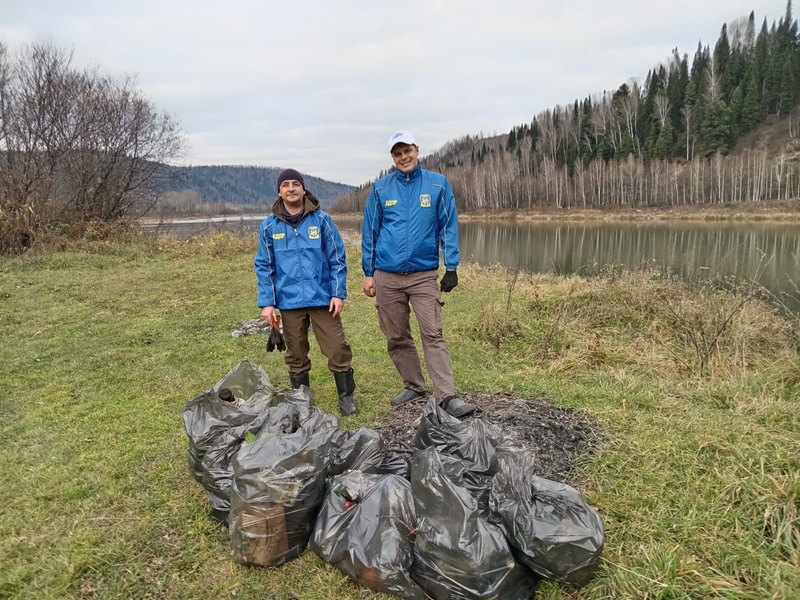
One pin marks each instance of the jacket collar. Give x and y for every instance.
(310, 204)
(409, 177)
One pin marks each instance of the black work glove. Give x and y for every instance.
(275, 341)
(449, 281)
(281, 345)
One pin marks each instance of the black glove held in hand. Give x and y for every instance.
(449, 281)
(275, 341)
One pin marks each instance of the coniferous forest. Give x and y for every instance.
(691, 133)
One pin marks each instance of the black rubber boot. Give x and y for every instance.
(457, 407)
(345, 386)
(299, 379)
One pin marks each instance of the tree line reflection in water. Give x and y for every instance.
(767, 254)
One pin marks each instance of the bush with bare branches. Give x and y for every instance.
(76, 146)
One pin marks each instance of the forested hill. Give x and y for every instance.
(248, 185)
(716, 127)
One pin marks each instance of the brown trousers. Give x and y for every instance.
(396, 294)
(328, 332)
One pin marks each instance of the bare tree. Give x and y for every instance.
(75, 146)
(661, 102)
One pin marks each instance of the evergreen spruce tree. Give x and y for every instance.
(735, 112)
(751, 107)
(722, 56)
(699, 80)
(760, 67)
(716, 128)
(511, 142)
(677, 81)
(585, 137)
(534, 134)
(786, 97)
(654, 84)
(603, 149)
(666, 137)
(750, 35)
(651, 138)
(626, 146)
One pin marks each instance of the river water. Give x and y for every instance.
(767, 254)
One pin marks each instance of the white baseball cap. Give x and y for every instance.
(401, 137)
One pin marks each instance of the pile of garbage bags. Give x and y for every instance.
(459, 515)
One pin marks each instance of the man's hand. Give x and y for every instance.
(369, 286)
(449, 281)
(336, 306)
(268, 314)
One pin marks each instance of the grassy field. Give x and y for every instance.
(104, 343)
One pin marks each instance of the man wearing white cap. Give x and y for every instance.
(409, 215)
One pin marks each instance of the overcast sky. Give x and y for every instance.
(321, 85)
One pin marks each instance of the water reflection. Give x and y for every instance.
(768, 254)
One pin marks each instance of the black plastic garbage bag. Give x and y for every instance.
(458, 554)
(474, 441)
(360, 449)
(279, 484)
(556, 533)
(395, 462)
(217, 469)
(206, 416)
(365, 528)
(364, 450)
(303, 394)
(216, 464)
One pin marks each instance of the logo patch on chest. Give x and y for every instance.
(390, 203)
(425, 200)
(313, 232)
(278, 236)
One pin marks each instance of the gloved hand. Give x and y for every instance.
(449, 281)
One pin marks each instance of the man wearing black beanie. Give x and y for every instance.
(301, 270)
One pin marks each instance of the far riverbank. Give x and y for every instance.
(783, 211)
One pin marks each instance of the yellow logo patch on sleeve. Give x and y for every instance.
(390, 203)
(313, 232)
(425, 200)
(278, 236)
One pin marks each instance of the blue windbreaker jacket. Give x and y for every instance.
(303, 267)
(406, 219)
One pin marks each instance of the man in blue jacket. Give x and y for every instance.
(302, 271)
(409, 215)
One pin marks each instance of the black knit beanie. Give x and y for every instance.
(288, 174)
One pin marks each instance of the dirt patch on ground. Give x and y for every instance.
(562, 438)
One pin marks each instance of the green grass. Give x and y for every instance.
(103, 343)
